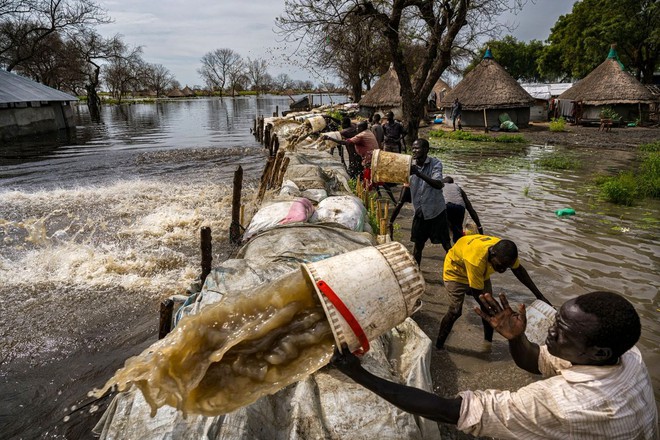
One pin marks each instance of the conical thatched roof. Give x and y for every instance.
(187, 91)
(488, 86)
(440, 86)
(385, 93)
(609, 84)
(175, 93)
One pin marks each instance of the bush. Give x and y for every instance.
(608, 113)
(558, 124)
(558, 162)
(650, 148)
(621, 189)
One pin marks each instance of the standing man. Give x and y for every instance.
(596, 385)
(457, 203)
(362, 144)
(456, 109)
(425, 193)
(377, 130)
(394, 133)
(467, 270)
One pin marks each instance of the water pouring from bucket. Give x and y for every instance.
(255, 343)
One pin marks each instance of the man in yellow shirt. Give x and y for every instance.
(467, 270)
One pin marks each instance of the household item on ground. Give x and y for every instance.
(367, 292)
(540, 316)
(390, 167)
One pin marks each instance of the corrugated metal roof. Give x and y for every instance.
(546, 91)
(15, 88)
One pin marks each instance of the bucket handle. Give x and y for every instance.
(346, 314)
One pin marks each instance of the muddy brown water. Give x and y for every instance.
(84, 265)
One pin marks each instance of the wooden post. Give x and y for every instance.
(277, 111)
(235, 226)
(264, 180)
(165, 323)
(280, 176)
(207, 252)
(276, 169)
(485, 122)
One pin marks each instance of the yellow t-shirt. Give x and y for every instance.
(467, 261)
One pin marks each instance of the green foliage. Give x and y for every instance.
(621, 189)
(517, 57)
(580, 41)
(335, 114)
(476, 137)
(558, 124)
(558, 161)
(608, 113)
(649, 178)
(526, 191)
(652, 147)
(352, 184)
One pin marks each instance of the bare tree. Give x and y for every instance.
(441, 27)
(158, 78)
(217, 67)
(125, 72)
(282, 82)
(256, 71)
(237, 78)
(26, 24)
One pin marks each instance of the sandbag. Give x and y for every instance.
(278, 213)
(345, 210)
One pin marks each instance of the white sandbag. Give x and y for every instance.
(279, 213)
(289, 188)
(315, 195)
(345, 210)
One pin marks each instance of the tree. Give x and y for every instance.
(125, 72)
(217, 67)
(518, 58)
(579, 41)
(25, 25)
(158, 78)
(282, 82)
(256, 71)
(402, 24)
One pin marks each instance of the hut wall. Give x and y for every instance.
(366, 111)
(470, 118)
(629, 112)
(539, 111)
(21, 121)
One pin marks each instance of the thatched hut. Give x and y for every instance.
(608, 85)
(487, 92)
(187, 92)
(175, 93)
(384, 96)
(440, 89)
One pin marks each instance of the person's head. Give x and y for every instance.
(390, 116)
(420, 149)
(376, 118)
(363, 125)
(345, 122)
(448, 179)
(502, 255)
(456, 100)
(594, 329)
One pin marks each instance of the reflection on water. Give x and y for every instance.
(97, 225)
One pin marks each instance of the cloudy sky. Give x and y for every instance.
(178, 33)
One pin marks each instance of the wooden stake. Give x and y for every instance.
(235, 226)
(283, 168)
(207, 252)
(165, 322)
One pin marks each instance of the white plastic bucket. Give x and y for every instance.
(390, 167)
(379, 287)
(317, 123)
(540, 316)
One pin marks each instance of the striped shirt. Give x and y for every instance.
(577, 402)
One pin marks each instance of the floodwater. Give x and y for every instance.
(97, 227)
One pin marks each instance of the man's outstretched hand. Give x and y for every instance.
(501, 317)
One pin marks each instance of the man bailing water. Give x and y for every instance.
(596, 384)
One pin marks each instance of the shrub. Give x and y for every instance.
(558, 124)
(621, 189)
(608, 113)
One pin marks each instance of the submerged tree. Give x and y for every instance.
(441, 27)
(158, 78)
(218, 68)
(257, 74)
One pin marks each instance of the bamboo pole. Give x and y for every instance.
(283, 168)
(276, 169)
(264, 180)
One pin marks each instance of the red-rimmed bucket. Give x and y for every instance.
(367, 292)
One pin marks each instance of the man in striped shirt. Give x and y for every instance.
(596, 387)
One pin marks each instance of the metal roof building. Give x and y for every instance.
(28, 107)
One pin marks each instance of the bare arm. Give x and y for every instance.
(471, 211)
(409, 399)
(524, 278)
(512, 326)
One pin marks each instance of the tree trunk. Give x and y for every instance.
(93, 99)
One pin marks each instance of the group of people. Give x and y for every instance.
(597, 385)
